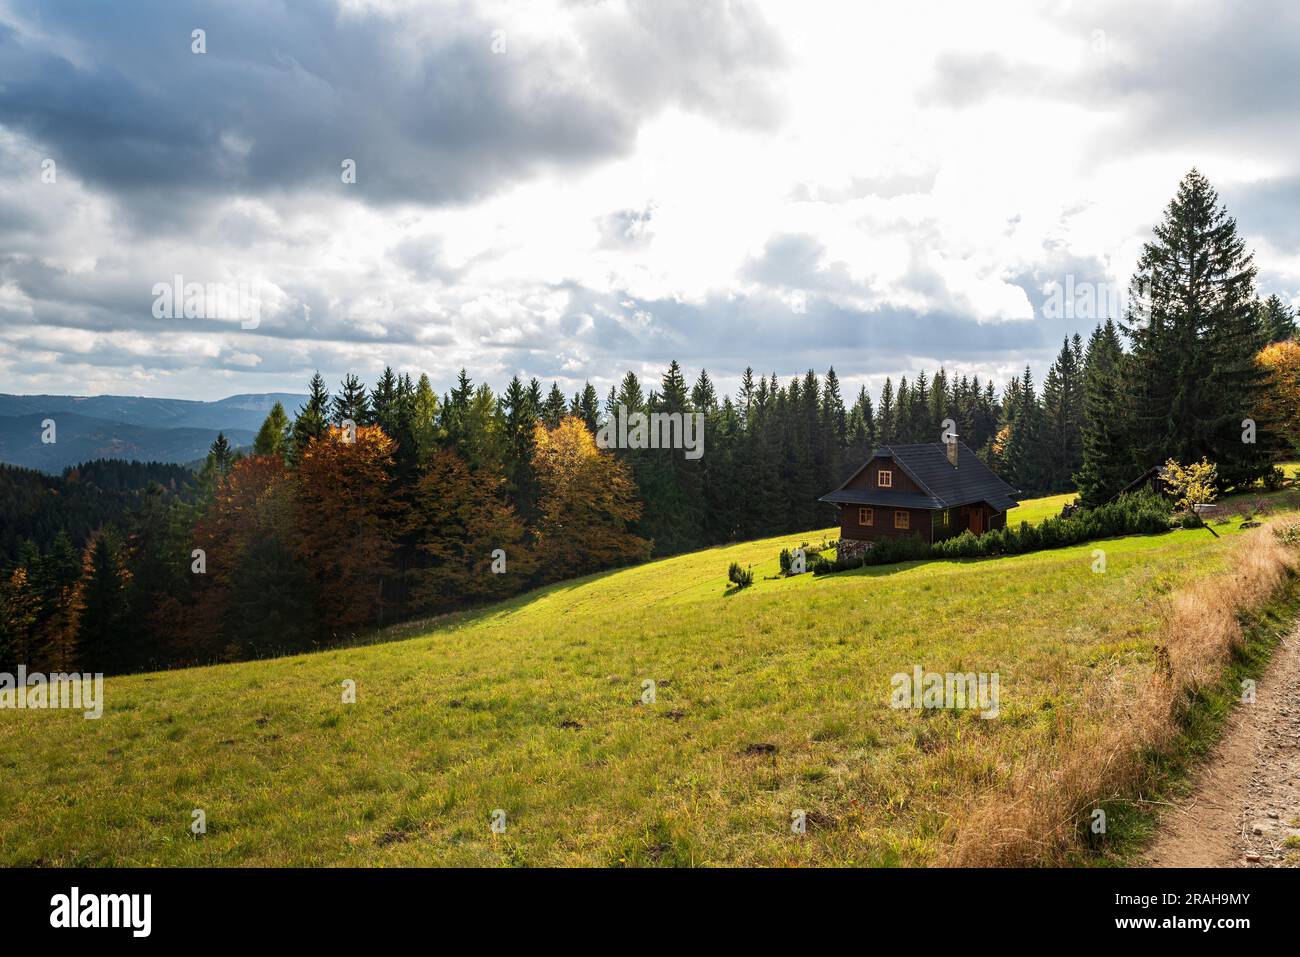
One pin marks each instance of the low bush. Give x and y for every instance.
(890, 550)
(740, 577)
(787, 558)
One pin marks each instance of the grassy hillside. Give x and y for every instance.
(1034, 510)
(771, 699)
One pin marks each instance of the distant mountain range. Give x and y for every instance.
(127, 427)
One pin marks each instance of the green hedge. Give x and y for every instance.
(1141, 513)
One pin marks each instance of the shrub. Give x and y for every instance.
(1140, 513)
(890, 550)
(1192, 484)
(740, 577)
(787, 558)
(1288, 532)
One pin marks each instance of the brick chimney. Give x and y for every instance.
(952, 448)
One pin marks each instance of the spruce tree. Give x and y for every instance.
(384, 404)
(1276, 320)
(555, 407)
(104, 625)
(312, 420)
(1057, 451)
(745, 397)
(220, 459)
(1195, 334)
(455, 409)
(1107, 464)
(941, 406)
(834, 427)
(630, 396)
(920, 428)
(704, 398)
(351, 404)
(520, 446)
(885, 417)
(1023, 418)
(589, 407)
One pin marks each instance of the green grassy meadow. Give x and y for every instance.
(771, 699)
(1034, 510)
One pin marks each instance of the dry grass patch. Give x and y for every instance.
(1038, 812)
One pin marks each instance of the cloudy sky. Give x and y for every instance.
(572, 189)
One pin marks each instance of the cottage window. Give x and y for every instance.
(945, 516)
(885, 478)
(866, 516)
(902, 519)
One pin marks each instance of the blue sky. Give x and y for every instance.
(570, 190)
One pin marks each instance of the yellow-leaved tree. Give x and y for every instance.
(1282, 400)
(588, 499)
(1193, 484)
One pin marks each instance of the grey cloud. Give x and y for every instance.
(795, 262)
(1220, 76)
(964, 79)
(285, 93)
(713, 57)
(1268, 209)
(625, 228)
(423, 258)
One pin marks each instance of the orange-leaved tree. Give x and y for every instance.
(587, 500)
(468, 540)
(1281, 407)
(347, 518)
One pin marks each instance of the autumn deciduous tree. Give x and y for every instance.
(458, 519)
(1193, 484)
(587, 500)
(1281, 403)
(18, 610)
(347, 517)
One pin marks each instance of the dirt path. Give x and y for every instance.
(1246, 800)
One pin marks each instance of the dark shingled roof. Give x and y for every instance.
(942, 486)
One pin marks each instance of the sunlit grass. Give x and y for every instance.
(768, 700)
(1034, 510)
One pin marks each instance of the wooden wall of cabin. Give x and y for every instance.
(919, 523)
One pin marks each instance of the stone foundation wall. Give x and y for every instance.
(852, 548)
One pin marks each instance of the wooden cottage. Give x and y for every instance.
(932, 491)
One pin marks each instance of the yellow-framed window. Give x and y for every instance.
(885, 478)
(902, 519)
(866, 516)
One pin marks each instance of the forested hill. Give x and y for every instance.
(40, 509)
